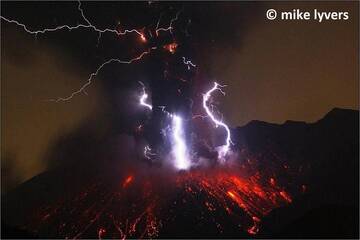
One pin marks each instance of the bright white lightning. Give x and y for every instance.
(144, 97)
(92, 27)
(182, 161)
(94, 74)
(142, 101)
(188, 63)
(179, 149)
(88, 25)
(223, 150)
(147, 153)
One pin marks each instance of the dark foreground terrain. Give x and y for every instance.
(324, 157)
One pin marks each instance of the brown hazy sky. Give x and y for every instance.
(30, 124)
(279, 71)
(293, 70)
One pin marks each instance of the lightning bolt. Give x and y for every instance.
(223, 150)
(143, 98)
(147, 153)
(142, 101)
(182, 161)
(88, 25)
(94, 74)
(179, 149)
(188, 63)
(170, 27)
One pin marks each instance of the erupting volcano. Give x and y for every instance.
(161, 159)
(142, 204)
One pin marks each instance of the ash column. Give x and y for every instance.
(170, 82)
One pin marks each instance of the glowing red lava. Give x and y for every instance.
(127, 181)
(254, 196)
(171, 47)
(140, 206)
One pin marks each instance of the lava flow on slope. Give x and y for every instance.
(149, 204)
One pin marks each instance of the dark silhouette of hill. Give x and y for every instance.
(324, 155)
(327, 152)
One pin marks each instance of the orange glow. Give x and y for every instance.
(142, 38)
(171, 47)
(232, 191)
(236, 199)
(253, 230)
(127, 181)
(272, 181)
(245, 197)
(286, 196)
(231, 194)
(101, 233)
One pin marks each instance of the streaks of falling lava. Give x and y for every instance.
(139, 207)
(235, 194)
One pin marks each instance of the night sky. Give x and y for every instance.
(275, 71)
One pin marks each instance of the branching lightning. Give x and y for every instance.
(88, 25)
(188, 63)
(92, 27)
(94, 74)
(223, 150)
(180, 147)
(226, 191)
(144, 97)
(148, 154)
(170, 27)
(179, 150)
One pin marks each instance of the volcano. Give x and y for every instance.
(292, 180)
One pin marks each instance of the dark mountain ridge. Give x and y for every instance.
(324, 155)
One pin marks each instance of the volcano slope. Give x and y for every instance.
(292, 180)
